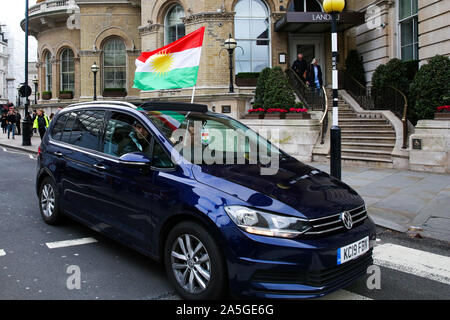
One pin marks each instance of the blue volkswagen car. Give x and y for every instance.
(195, 191)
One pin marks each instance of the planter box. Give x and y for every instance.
(246, 82)
(114, 94)
(442, 115)
(299, 115)
(66, 95)
(276, 115)
(254, 115)
(46, 96)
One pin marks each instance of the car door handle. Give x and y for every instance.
(99, 167)
(58, 154)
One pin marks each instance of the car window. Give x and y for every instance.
(160, 158)
(65, 136)
(125, 134)
(87, 129)
(58, 128)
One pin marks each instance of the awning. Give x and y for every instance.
(317, 22)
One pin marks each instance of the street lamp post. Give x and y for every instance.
(35, 81)
(230, 44)
(95, 69)
(334, 7)
(26, 123)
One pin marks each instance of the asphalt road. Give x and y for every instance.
(29, 269)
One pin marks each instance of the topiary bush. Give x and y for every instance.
(278, 92)
(261, 88)
(354, 66)
(430, 88)
(392, 74)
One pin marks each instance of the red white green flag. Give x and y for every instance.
(172, 66)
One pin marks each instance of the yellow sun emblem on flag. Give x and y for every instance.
(161, 63)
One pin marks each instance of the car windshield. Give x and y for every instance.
(208, 138)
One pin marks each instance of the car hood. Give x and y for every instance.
(295, 189)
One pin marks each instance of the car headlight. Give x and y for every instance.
(265, 223)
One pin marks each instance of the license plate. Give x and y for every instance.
(352, 251)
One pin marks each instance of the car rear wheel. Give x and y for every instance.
(194, 262)
(48, 202)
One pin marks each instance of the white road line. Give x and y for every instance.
(413, 261)
(2, 253)
(22, 153)
(69, 243)
(344, 295)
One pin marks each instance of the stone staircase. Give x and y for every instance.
(367, 139)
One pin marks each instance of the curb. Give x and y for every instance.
(18, 148)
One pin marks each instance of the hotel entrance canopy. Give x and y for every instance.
(317, 22)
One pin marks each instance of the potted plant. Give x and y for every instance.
(114, 92)
(46, 95)
(275, 113)
(443, 112)
(298, 112)
(256, 113)
(247, 79)
(66, 94)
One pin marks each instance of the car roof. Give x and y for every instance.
(147, 105)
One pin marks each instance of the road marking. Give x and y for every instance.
(413, 261)
(69, 243)
(344, 295)
(2, 253)
(22, 153)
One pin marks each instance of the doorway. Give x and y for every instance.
(311, 46)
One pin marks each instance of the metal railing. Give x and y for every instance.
(387, 98)
(313, 98)
(324, 119)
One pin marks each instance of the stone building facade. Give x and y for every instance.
(73, 34)
(4, 57)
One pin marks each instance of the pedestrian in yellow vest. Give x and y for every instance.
(41, 123)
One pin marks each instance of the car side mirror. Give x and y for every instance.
(137, 159)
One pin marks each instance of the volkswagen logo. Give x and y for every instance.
(347, 220)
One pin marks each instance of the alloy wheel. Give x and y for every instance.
(191, 264)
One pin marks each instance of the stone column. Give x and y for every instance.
(55, 79)
(87, 59)
(77, 84)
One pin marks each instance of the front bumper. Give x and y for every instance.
(264, 267)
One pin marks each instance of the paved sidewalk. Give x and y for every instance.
(402, 200)
(17, 142)
(405, 201)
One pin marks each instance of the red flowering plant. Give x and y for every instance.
(298, 110)
(443, 109)
(273, 110)
(256, 110)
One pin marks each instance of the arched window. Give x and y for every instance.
(67, 70)
(174, 25)
(114, 64)
(48, 71)
(305, 6)
(252, 32)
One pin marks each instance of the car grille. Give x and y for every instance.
(326, 277)
(333, 223)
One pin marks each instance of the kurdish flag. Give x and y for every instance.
(172, 66)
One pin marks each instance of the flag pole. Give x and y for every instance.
(193, 94)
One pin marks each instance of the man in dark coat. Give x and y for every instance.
(18, 119)
(300, 66)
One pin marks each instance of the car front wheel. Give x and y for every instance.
(194, 262)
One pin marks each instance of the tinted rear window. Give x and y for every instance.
(58, 128)
(87, 129)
